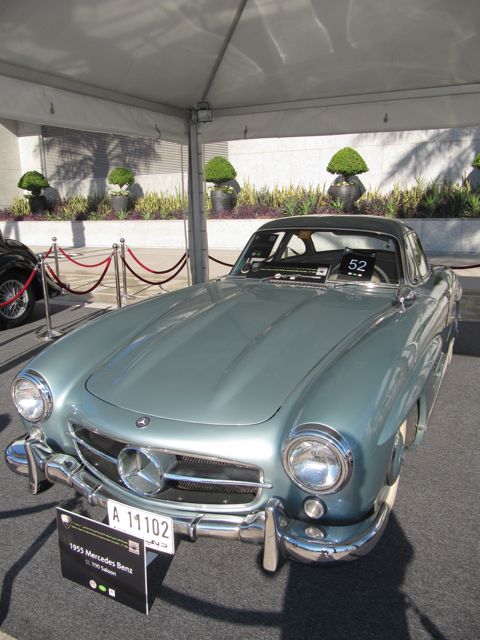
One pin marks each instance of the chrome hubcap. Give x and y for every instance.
(8, 290)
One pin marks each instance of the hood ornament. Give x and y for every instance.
(142, 422)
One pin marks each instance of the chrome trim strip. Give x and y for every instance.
(99, 453)
(236, 483)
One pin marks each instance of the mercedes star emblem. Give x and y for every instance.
(143, 422)
(140, 471)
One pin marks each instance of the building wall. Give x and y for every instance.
(9, 162)
(392, 158)
(78, 163)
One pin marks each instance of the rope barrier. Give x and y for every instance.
(79, 264)
(224, 264)
(151, 270)
(45, 255)
(80, 293)
(149, 281)
(22, 290)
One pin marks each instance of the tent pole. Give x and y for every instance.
(196, 214)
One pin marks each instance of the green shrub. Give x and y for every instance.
(34, 182)
(476, 162)
(159, 205)
(74, 207)
(20, 207)
(121, 177)
(473, 205)
(218, 170)
(347, 162)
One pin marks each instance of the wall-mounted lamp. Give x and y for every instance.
(202, 112)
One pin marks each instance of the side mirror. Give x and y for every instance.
(405, 296)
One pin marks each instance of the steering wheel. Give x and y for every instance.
(378, 275)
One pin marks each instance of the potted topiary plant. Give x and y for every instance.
(347, 163)
(34, 182)
(220, 172)
(122, 178)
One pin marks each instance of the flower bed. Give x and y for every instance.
(423, 200)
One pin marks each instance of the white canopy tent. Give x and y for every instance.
(267, 68)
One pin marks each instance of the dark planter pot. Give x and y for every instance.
(119, 203)
(347, 194)
(38, 204)
(222, 201)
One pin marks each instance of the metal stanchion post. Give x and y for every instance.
(124, 269)
(117, 275)
(57, 263)
(48, 333)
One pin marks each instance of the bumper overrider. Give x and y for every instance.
(280, 535)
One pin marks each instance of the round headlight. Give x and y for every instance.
(32, 396)
(317, 459)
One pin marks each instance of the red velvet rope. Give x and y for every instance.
(225, 264)
(149, 281)
(151, 270)
(80, 293)
(79, 264)
(45, 255)
(21, 292)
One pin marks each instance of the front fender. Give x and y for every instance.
(369, 390)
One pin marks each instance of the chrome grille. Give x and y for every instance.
(191, 480)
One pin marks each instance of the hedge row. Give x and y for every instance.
(427, 200)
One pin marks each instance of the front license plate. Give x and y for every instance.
(157, 531)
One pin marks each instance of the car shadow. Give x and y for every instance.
(5, 420)
(362, 599)
(11, 574)
(467, 342)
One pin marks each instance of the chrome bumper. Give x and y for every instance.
(280, 535)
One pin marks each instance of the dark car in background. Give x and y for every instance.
(16, 264)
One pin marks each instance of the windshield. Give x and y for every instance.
(319, 256)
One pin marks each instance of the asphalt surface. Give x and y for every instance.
(420, 582)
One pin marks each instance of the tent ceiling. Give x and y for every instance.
(291, 67)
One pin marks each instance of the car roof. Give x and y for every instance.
(375, 224)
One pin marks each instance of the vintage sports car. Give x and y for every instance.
(271, 406)
(16, 264)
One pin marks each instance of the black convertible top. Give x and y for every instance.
(376, 224)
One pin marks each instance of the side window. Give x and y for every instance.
(419, 256)
(417, 264)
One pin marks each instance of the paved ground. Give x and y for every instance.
(420, 582)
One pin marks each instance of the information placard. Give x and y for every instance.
(110, 562)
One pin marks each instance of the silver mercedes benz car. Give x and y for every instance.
(272, 406)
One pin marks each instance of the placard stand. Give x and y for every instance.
(107, 561)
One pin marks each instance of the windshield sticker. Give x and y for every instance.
(357, 266)
(291, 272)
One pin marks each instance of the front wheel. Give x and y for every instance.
(19, 311)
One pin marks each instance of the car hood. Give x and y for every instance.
(231, 352)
